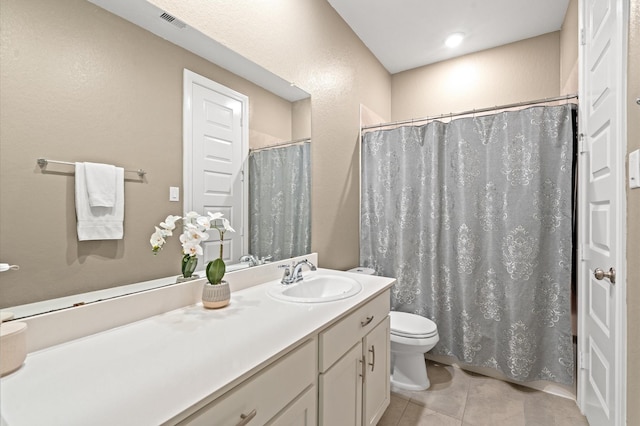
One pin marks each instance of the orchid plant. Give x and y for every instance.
(195, 228)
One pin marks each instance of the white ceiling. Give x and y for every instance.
(405, 34)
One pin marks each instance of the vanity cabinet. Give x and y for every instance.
(283, 393)
(260, 362)
(354, 381)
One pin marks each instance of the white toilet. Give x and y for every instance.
(411, 337)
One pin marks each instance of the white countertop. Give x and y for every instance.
(149, 371)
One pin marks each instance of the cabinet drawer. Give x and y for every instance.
(341, 336)
(266, 393)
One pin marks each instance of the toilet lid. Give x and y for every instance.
(411, 325)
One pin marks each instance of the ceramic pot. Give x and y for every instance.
(182, 279)
(216, 296)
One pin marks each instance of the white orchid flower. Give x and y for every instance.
(214, 216)
(157, 240)
(193, 233)
(192, 249)
(186, 238)
(170, 222)
(204, 223)
(227, 225)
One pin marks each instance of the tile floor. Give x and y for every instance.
(460, 398)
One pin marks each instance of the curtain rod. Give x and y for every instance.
(472, 111)
(280, 144)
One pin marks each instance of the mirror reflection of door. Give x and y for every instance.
(215, 149)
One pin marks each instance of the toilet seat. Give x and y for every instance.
(412, 326)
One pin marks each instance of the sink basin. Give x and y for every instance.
(316, 288)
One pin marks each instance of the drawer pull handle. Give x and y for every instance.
(373, 356)
(367, 321)
(246, 418)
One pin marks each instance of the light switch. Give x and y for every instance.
(634, 169)
(174, 193)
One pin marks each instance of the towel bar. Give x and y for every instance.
(42, 162)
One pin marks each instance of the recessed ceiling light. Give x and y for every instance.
(454, 40)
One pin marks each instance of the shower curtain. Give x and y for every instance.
(474, 219)
(279, 202)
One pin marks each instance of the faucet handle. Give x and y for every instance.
(251, 259)
(286, 274)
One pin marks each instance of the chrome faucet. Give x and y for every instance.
(254, 261)
(294, 274)
(251, 259)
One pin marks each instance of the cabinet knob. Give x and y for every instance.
(246, 418)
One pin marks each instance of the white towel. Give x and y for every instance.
(99, 223)
(101, 184)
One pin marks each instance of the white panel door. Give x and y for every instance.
(602, 202)
(215, 154)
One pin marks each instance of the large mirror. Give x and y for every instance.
(80, 83)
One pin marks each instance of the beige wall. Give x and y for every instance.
(633, 223)
(301, 119)
(306, 41)
(515, 72)
(569, 50)
(80, 84)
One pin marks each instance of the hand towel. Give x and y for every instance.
(101, 184)
(99, 223)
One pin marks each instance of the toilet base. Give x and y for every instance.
(409, 371)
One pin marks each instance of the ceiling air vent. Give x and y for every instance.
(173, 20)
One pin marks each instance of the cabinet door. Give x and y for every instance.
(376, 380)
(341, 391)
(302, 412)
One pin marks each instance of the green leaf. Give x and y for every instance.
(215, 271)
(189, 264)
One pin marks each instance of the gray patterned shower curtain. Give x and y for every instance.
(474, 219)
(280, 201)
